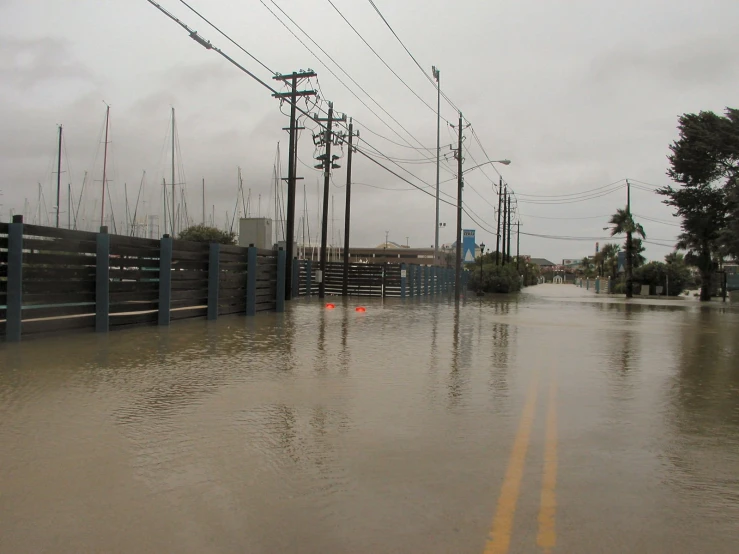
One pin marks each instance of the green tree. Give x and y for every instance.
(704, 161)
(637, 248)
(609, 264)
(623, 222)
(675, 277)
(203, 233)
(587, 266)
(729, 237)
(495, 278)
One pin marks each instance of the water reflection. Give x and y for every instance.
(319, 427)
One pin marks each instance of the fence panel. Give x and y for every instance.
(3, 275)
(59, 268)
(190, 265)
(134, 280)
(392, 281)
(232, 280)
(266, 280)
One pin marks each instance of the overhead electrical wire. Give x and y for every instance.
(428, 77)
(565, 218)
(554, 202)
(236, 44)
(342, 70)
(653, 220)
(381, 58)
(206, 44)
(573, 194)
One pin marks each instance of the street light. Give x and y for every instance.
(504, 162)
(480, 292)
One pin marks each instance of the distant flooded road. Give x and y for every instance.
(555, 421)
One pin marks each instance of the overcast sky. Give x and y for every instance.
(578, 94)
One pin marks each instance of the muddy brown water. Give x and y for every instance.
(554, 421)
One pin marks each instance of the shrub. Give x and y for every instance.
(203, 233)
(658, 274)
(495, 278)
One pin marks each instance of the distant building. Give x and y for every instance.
(572, 263)
(543, 263)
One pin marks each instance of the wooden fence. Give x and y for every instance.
(375, 280)
(56, 280)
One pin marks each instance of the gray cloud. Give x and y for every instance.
(577, 94)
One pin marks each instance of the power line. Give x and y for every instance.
(565, 218)
(236, 44)
(554, 202)
(653, 220)
(206, 44)
(381, 59)
(572, 194)
(342, 70)
(428, 77)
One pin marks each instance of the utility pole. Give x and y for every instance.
(292, 159)
(460, 184)
(505, 225)
(105, 165)
(518, 244)
(508, 250)
(327, 164)
(497, 235)
(203, 201)
(59, 178)
(629, 255)
(348, 210)
(173, 183)
(437, 76)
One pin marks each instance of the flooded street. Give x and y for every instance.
(554, 421)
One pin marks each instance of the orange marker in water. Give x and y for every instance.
(330, 306)
(360, 309)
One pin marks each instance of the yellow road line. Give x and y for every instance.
(500, 535)
(547, 537)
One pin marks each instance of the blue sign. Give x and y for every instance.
(468, 245)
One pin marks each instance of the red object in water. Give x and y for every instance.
(330, 306)
(361, 309)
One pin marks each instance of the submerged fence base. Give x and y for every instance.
(55, 279)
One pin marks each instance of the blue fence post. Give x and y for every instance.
(295, 277)
(251, 281)
(165, 280)
(425, 280)
(102, 281)
(432, 283)
(417, 278)
(403, 279)
(281, 278)
(308, 277)
(411, 280)
(13, 311)
(214, 276)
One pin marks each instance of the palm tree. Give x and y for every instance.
(623, 222)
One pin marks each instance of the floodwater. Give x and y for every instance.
(555, 421)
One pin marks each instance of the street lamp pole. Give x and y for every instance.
(437, 76)
(482, 254)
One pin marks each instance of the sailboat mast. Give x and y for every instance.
(59, 178)
(173, 183)
(105, 164)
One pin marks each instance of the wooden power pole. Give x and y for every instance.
(292, 95)
(327, 163)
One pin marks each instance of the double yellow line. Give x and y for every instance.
(500, 535)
